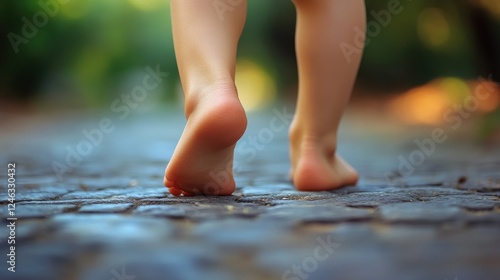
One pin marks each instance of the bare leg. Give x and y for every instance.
(326, 79)
(205, 47)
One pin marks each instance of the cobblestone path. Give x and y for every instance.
(413, 215)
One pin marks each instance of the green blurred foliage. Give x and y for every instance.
(90, 49)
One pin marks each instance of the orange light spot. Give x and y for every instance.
(421, 105)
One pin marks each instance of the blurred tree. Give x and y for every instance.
(487, 39)
(85, 50)
(90, 50)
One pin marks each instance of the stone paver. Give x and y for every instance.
(104, 208)
(111, 218)
(421, 212)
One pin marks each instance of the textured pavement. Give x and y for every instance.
(109, 217)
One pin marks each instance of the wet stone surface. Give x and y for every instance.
(109, 217)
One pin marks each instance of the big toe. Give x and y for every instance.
(172, 188)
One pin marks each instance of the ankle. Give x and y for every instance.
(196, 96)
(302, 137)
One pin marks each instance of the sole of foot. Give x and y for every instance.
(202, 163)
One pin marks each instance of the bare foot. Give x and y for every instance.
(202, 162)
(315, 166)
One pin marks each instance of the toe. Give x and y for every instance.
(175, 191)
(168, 183)
(172, 187)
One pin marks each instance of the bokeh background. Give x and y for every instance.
(425, 60)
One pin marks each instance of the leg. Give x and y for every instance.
(326, 79)
(205, 48)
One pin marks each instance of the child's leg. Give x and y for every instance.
(325, 83)
(205, 47)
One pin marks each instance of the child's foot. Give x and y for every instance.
(202, 160)
(316, 167)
